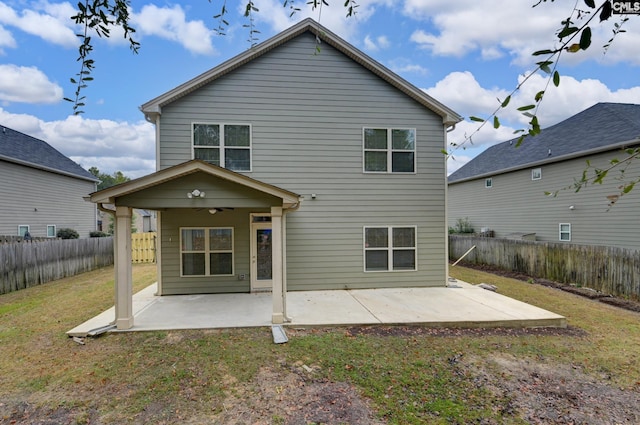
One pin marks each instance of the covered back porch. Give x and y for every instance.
(218, 231)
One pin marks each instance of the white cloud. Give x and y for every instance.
(559, 103)
(27, 85)
(377, 43)
(6, 39)
(171, 24)
(108, 145)
(53, 26)
(404, 66)
(495, 28)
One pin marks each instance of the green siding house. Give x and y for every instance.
(301, 164)
(502, 190)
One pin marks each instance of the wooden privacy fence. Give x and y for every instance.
(143, 247)
(614, 271)
(25, 264)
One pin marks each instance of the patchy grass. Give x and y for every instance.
(408, 376)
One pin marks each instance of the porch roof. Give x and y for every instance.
(111, 194)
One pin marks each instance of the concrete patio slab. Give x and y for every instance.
(458, 305)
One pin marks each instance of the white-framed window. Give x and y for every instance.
(565, 232)
(206, 251)
(51, 230)
(390, 248)
(488, 183)
(23, 229)
(225, 145)
(389, 150)
(536, 174)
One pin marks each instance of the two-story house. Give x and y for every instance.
(504, 189)
(301, 164)
(42, 190)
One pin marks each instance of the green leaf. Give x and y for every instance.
(539, 95)
(526, 108)
(628, 188)
(585, 38)
(556, 78)
(605, 13)
(567, 31)
(505, 102)
(476, 119)
(543, 52)
(590, 3)
(496, 122)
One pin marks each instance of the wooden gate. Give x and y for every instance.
(143, 247)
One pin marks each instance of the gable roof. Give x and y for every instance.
(153, 108)
(602, 127)
(26, 150)
(109, 195)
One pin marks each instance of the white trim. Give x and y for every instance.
(207, 251)
(23, 225)
(560, 232)
(389, 150)
(536, 174)
(389, 248)
(222, 146)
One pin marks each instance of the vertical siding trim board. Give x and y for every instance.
(610, 270)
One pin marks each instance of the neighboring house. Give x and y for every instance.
(143, 221)
(303, 115)
(503, 189)
(41, 189)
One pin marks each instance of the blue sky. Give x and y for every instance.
(467, 54)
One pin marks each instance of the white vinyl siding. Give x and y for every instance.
(565, 232)
(225, 145)
(206, 251)
(389, 150)
(389, 248)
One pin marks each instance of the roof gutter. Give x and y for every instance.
(617, 146)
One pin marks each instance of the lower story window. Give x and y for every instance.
(51, 230)
(388, 248)
(565, 231)
(23, 230)
(206, 251)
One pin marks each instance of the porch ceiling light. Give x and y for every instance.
(195, 193)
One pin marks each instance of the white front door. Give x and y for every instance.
(261, 242)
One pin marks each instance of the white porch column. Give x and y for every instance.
(277, 265)
(124, 273)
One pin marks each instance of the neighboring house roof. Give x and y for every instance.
(26, 150)
(108, 196)
(154, 107)
(602, 127)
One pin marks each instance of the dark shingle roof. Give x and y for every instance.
(598, 127)
(20, 148)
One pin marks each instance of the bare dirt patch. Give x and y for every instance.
(291, 396)
(542, 393)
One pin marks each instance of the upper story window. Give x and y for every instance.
(536, 174)
(226, 145)
(389, 150)
(488, 182)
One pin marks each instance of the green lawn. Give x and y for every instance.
(409, 377)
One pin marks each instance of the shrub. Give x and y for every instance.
(98, 234)
(463, 225)
(67, 233)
